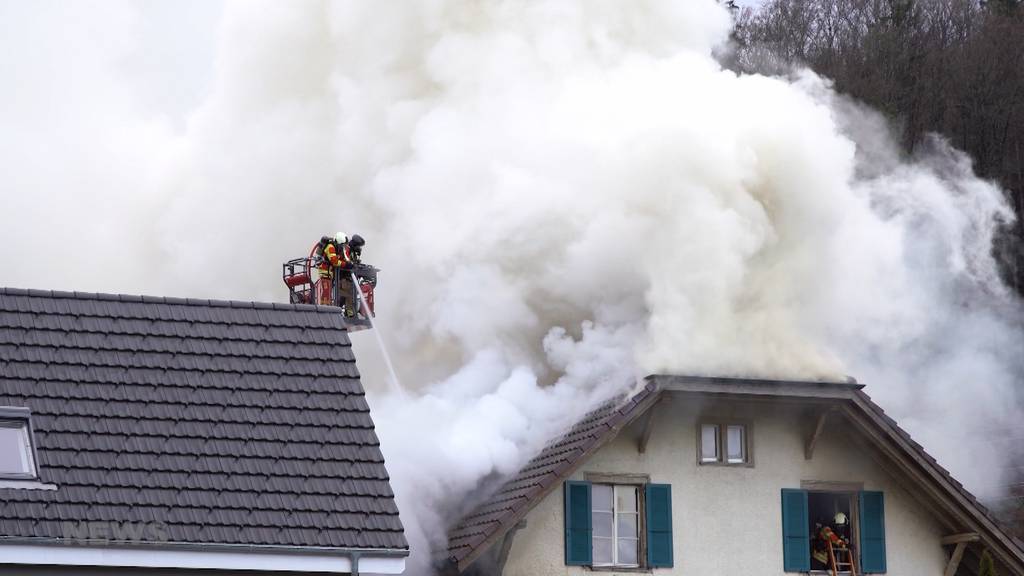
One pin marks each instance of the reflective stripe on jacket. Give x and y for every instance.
(333, 257)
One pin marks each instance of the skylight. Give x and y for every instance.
(16, 458)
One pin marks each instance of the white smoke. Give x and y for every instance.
(563, 196)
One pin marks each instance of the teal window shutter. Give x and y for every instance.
(578, 530)
(796, 529)
(658, 504)
(872, 532)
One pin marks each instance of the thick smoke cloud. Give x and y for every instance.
(564, 197)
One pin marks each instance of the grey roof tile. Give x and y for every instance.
(232, 423)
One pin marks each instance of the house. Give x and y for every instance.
(701, 476)
(147, 435)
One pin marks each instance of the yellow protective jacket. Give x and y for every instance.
(333, 257)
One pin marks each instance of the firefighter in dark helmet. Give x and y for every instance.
(348, 290)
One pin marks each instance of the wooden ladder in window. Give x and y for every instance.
(835, 557)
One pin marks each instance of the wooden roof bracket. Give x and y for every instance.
(960, 538)
(961, 541)
(648, 426)
(954, 559)
(812, 439)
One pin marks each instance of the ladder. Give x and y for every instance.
(835, 557)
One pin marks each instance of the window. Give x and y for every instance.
(16, 458)
(616, 525)
(736, 445)
(828, 511)
(852, 521)
(709, 441)
(722, 443)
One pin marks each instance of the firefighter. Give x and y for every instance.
(366, 282)
(356, 244)
(335, 260)
(825, 535)
(348, 288)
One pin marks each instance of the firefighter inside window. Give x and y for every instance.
(830, 518)
(325, 277)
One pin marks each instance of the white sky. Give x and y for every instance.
(164, 50)
(168, 52)
(174, 63)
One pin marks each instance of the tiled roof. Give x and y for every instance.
(555, 462)
(228, 422)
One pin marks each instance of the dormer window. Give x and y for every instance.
(17, 458)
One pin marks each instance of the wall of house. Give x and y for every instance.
(727, 520)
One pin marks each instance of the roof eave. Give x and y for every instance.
(184, 556)
(756, 386)
(957, 501)
(207, 546)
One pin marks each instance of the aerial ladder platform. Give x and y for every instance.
(303, 280)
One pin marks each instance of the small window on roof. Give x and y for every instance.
(16, 449)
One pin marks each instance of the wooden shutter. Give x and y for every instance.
(658, 507)
(796, 538)
(578, 529)
(872, 532)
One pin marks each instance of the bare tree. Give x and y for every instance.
(953, 67)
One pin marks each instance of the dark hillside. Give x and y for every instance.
(952, 67)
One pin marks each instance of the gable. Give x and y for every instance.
(889, 446)
(225, 423)
(712, 503)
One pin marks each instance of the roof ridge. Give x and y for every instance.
(170, 300)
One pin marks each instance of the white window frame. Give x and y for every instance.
(721, 457)
(614, 525)
(717, 456)
(727, 441)
(638, 481)
(19, 418)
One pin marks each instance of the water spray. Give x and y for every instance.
(395, 384)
